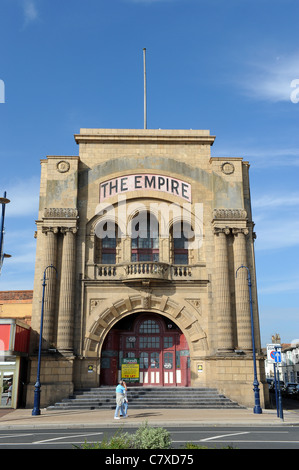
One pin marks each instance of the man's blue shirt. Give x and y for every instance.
(120, 389)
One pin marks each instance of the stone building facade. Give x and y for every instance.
(146, 231)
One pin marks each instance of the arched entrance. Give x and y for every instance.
(157, 342)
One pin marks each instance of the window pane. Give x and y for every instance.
(129, 343)
(149, 326)
(149, 342)
(179, 242)
(168, 342)
(147, 239)
(108, 258)
(155, 364)
(180, 258)
(144, 257)
(168, 360)
(144, 360)
(109, 242)
(144, 243)
(155, 242)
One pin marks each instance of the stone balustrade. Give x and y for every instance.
(145, 270)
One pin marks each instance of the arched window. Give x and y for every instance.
(108, 250)
(145, 238)
(180, 237)
(106, 243)
(149, 326)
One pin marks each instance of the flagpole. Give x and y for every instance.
(144, 78)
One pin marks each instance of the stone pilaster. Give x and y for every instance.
(223, 302)
(50, 258)
(67, 292)
(242, 290)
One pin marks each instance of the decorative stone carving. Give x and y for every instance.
(244, 231)
(63, 166)
(47, 230)
(60, 213)
(230, 214)
(73, 230)
(196, 303)
(146, 301)
(227, 168)
(225, 230)
(94, 303)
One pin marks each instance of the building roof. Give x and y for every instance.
(16, 296)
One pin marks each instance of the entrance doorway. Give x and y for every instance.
(158, 343)
(8, 384)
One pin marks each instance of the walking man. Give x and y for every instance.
(120, 399)
(125, 400)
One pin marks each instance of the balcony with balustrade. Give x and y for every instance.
(135, 272)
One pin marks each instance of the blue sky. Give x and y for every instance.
(221, 65)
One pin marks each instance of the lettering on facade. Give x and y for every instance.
(145, 182)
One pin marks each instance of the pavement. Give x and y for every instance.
(23, 419)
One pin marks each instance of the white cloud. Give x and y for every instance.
(30, 11)
(280, 286)
(269, 201)
(276, 219)
(271, 78)
(277, 234)
(259, 157)
(24, 198)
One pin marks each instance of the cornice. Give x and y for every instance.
(138, 136)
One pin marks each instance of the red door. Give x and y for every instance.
(169, 371)
(159, 345)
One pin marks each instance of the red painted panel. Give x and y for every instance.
(22, 339)
(5, 337)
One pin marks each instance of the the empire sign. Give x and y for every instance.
(144, 182)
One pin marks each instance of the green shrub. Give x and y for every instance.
(146, 437)
(191, 445)
(120, 440)
(151, 438)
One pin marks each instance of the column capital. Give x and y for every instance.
(225, 230)
(244, 231)
(46, 230)
(65, 230)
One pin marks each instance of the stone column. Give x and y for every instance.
(50, 257)
(223, 303)
(242, 290)
(67, 292)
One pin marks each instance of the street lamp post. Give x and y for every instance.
(3, 202)
(36, 404)
(257, 406)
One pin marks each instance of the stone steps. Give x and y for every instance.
(147, 398)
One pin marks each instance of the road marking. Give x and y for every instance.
(67, 437)
(223, 435)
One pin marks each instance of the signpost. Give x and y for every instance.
(274, 357)
(274, 353)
